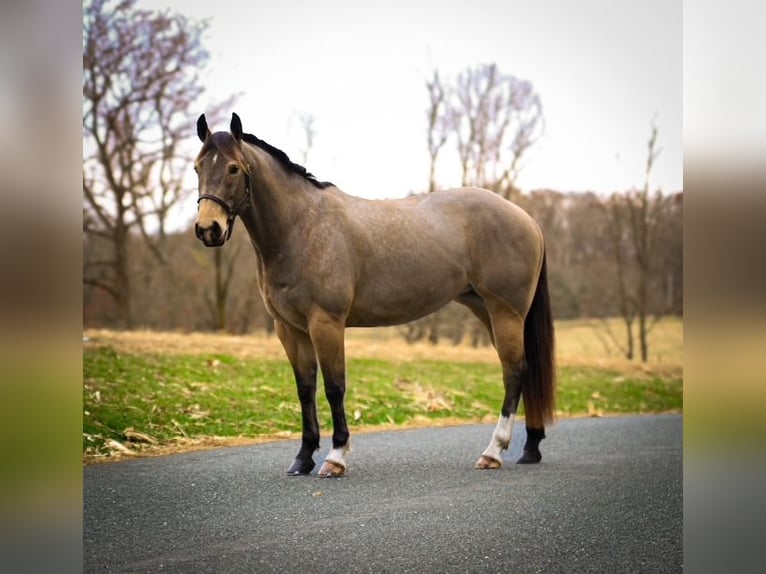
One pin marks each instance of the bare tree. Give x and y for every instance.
(438, 123)
(496, 118)
(645, 213)
(217, 301)
(616, 207)
(139, 81)
(635, 220)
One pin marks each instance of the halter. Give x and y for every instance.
(231, 212)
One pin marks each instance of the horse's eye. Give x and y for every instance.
(233, 170)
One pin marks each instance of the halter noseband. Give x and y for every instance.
(231, 212)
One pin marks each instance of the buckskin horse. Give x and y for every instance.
(327, 260)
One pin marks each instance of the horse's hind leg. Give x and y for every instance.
(301, 355)
(531, 454)
(508, 330)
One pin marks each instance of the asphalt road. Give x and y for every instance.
(606, 498)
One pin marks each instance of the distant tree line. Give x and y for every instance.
(580, 243)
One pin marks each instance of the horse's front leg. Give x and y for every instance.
(301, 355)
(327, 336)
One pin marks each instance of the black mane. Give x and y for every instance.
(282, 158)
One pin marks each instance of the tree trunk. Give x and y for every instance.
(629, 346)
(122, 282)
(221, 291)
(643, 340)
(432, 176)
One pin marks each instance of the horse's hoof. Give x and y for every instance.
(530, 457)
(487, 463)
(331, 469)
(300, 467)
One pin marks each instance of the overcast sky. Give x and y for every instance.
(604, 70)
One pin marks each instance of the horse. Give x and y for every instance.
(327, 260)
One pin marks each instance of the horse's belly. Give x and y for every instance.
(388, 303)
(389, 316)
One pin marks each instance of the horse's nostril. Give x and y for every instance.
(215, 231)
(209, 235)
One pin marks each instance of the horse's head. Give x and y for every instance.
(224, 181)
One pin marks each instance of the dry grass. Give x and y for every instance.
(578, 342)
(594, 342)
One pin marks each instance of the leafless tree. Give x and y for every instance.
(616, 208)
(139, 82)
(636, 219)
(496, 118)
(439, 123)
(224, 271)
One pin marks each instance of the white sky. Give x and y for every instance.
(604, 69)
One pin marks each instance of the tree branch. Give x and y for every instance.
(101, 285)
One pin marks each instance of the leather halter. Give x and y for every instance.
(231, 212)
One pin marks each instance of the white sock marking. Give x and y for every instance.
(501, 438)
(337, 455)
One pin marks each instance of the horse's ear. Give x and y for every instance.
(236, 127)
(202, 129)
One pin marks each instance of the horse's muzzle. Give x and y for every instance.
(212, 236)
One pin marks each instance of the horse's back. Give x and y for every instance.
(446, 212)
(467, 225)
(485, 222)
(480, 207)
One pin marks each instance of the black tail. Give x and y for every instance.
(538, 380)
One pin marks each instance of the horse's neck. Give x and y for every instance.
(279, 200)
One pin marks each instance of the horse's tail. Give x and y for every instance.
(538, 380)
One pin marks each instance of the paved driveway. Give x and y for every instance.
(606, 498)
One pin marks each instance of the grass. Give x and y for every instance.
(155, 392)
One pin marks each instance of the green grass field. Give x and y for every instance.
(152, 392)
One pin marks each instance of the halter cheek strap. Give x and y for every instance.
(231, 212)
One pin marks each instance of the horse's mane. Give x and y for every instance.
(282, 158)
